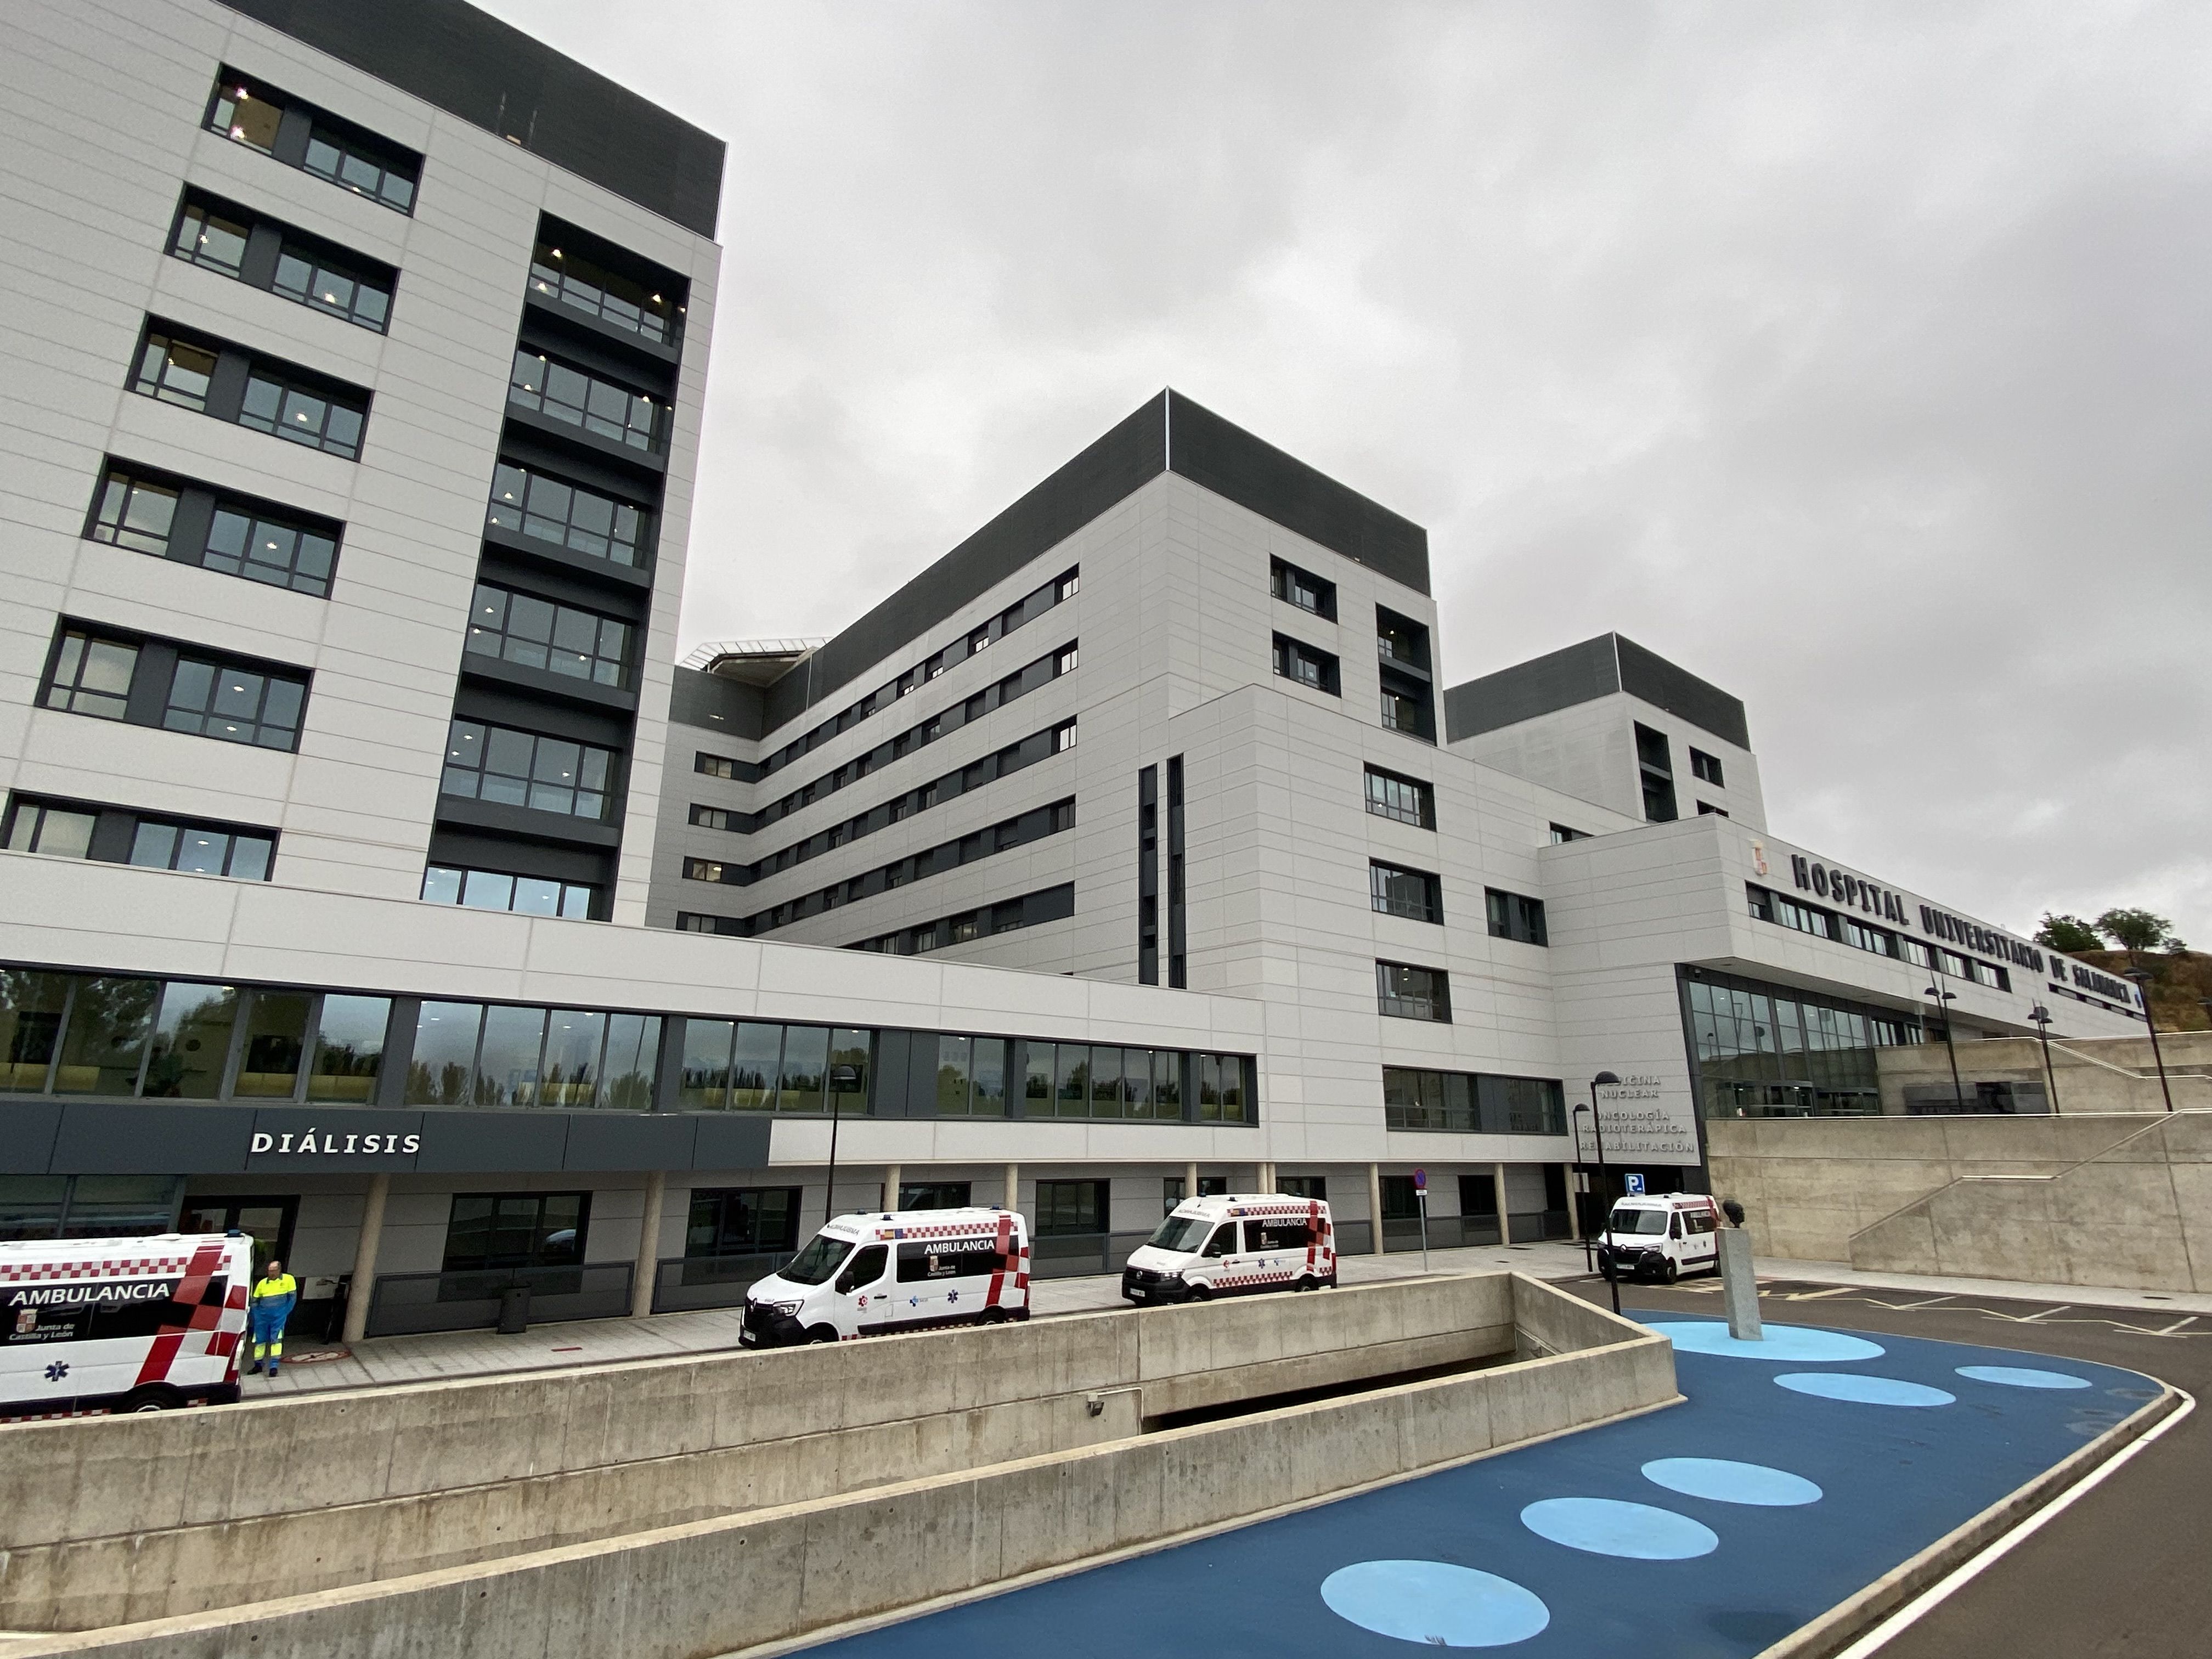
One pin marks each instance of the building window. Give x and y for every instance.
(1404, 992)
(1302, 589)
(1414, 894)
(516, 1229)
(1148, 875)
(235, 704)
(1458, 1103)
(1406, 799)
(751, 1065)
(525, 502)
(742, 1221)
(708, 870)
(1307, 1187)
(470, 1054)
(1315, 670)
(492, 890)
(1178, 917)
(174, 371)
(244, 114)
(92, 676)
(1657, 769)
(203, 849)
(305, 270)
(207, 235)
(499, 764)
(1072, 1208)
(1707, 768)
(1561, 835)
(1063, 736)
(716, 817)
(1514, 917)
(244, 542)
(934, 1195)
(291, 406)
(330, 282)
(563, 393)
(1406, 714)
(1707, 809)
(252, 114)
(715, 766)
(693, 922)
(535, 633)
(1401, 1200)
(567, 277)
(61, 832)
(133, 511)
(1053, 904)
(1400, 639)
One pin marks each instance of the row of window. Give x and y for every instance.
(71, 829)
(253, 113)
(975, 1079)
(565, 277)
(1006, 916)
(1401, 648)
(588, 401)
(1028, 677)
(1460, 1102)
(494, 889)
(510, 768)
(139, 508)
(236, 242)
(534, 632)
(980, 638)
(1786, 911)
(179, 365)
(152, 682)
(529, 502)
(1767, 1051)
(1004, 836)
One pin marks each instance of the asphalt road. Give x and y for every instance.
(2125, 1571)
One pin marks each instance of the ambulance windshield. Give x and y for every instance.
(814, 1264)
(1182, 1233)
(1625, 1220)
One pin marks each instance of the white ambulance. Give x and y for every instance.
(1231, 1244)
(121, 1324)
(1661, 1236)
(869, 1274)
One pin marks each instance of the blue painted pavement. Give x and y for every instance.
(1710, 1529)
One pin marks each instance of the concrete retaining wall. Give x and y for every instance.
(123, 1519)
(713, 1587)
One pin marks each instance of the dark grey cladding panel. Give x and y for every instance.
(1652, 678)
(1542, 685)
(474, 849)
(1114, 467)
(152, 1138)
(491, 1142)
(732, 1141)
(630, 1141)
(28, 1147)
(714, 704)
(470, 64)
(343, 1138)
(1232, 462)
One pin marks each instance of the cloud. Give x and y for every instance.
(1854, 356)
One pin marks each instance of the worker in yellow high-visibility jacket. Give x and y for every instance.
(275, 1295)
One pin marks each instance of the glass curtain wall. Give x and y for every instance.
(1774, 1051)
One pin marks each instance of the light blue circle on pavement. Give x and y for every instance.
(1726, 1482)
(1607, 1526)
(2020, 1377)
(1798, 1345)
(1435, 1603)
(1864, 1391)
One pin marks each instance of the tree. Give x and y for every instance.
(2138, 930)
(2067, 934)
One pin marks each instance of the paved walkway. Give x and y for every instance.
(598, 1341)
(1710, 1530)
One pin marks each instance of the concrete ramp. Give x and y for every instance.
(697, 1506)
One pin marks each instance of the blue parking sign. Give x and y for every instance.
(1636, 1185)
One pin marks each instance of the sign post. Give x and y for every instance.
(1421, 1197)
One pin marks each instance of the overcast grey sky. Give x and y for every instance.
(1856, 357)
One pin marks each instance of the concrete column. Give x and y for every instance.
(1574, 1204)
(648, 1246)
(1268, 1176)
(1190, 1181)
(893, 1174)
(1014, 1180)
(1375, 1208)
(1504, 1211)
(364, 1259)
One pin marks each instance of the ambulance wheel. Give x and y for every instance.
(993, 1316)
(1201, 1292)
(1306, 1282)
(822, 1334)
(1670, 1272)
(148, 1400)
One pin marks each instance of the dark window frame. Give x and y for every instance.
(1423, 811)
(1516, 916)
(317, 142)
(1302, 590)
(1294, 658)
(1387, 891)
(1403, 999)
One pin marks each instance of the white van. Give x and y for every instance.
(1661, 1236)
(121, 1324)
(1231, 1244)
(908, 1270)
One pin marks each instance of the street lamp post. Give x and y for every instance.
(1943, 1000)
(1589, 1266)
(1602, 1080)
(2042, 1019)
(2142, 977)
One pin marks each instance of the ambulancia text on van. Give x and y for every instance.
(121, 1324)
(1231, 1244)
(868, 1274)
(1662, 1237)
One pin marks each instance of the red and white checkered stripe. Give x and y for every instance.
(975, 1230)
(1240, 1281)
(137, 1267)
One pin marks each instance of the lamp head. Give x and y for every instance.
(2141, 976)
(1603, 1080)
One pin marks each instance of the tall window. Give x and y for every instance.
(1315, 670)
(1406, 799)
(535, 633)
(1404, 992)
(1657, 769)
(1414, 894)
(1707, 767)
(521, 769)
(1515, 917)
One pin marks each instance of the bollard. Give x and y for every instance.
(1739, 1283)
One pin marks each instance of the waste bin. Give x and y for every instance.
(514, 1311)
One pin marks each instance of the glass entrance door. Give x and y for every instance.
(267, 1220)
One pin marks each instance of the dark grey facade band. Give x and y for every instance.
(1582, 673)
